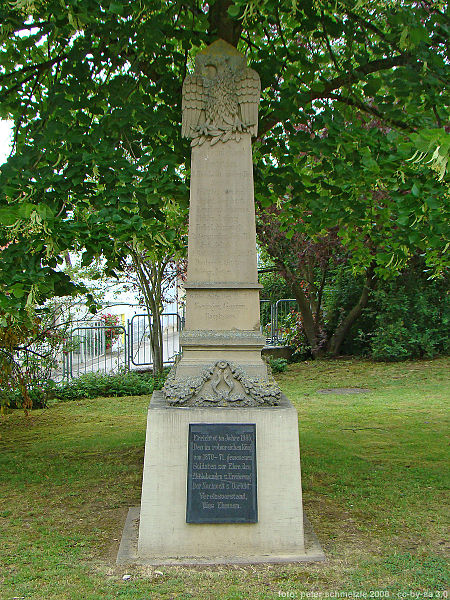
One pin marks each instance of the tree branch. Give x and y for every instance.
(357, 74)
(370, 110)
(345, 79)
(19, 122)
(341, 331)
(327, 41)
(32, 25)
(221, 24)
(18, 85)
(367, 24)
(320, 294)
(438, 118)
(267, 124)
(39, 67)
(280, 30)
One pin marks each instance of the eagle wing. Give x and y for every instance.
(248, 92)
(192, 105)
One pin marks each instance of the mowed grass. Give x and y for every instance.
(374, 484)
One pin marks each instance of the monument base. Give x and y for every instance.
(128, 550)
(165, 536)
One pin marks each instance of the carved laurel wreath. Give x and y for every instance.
(186, 392)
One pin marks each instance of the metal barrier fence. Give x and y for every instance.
(93, 346)
(282, 309)
(140, 350)
(273, 319)
(267, 320)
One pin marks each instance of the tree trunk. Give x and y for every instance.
(152, 295)
(156, 344)
(342, 330)
(221, 25)
(156, 341)
(308, 322)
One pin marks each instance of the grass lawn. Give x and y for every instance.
(374, 481)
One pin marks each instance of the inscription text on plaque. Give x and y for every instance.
(221, 484)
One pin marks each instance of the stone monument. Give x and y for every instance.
(222, 466)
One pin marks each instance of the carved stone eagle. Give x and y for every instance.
(220, 100)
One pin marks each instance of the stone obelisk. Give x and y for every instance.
(220, 115)
(222, 466)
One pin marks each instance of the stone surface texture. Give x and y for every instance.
(220, 114)
(163, 531)
(128, 550)
(221, 384)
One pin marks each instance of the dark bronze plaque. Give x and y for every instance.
(221, 486)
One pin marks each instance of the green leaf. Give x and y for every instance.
(234, 10)
(25, 210)
(372, 86)
(18, 291)
(116, 8)
(8, 216)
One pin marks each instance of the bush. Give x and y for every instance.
(339, 298)
(38, 394)
(412, 319)
(113, 331)
(293, 335)
(93, 385)
(90, 385)
(407, 317)
(274, 287)
(29, 349)
(278, 365)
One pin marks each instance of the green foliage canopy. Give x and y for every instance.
(350, 93)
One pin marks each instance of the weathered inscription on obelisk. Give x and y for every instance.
(222, 473)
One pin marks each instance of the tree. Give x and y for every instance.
(155, 267)
(93, 142)
(30, 350)
(307, 268)
(350, 93)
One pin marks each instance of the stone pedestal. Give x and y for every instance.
(222, 290)
(163, 531)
